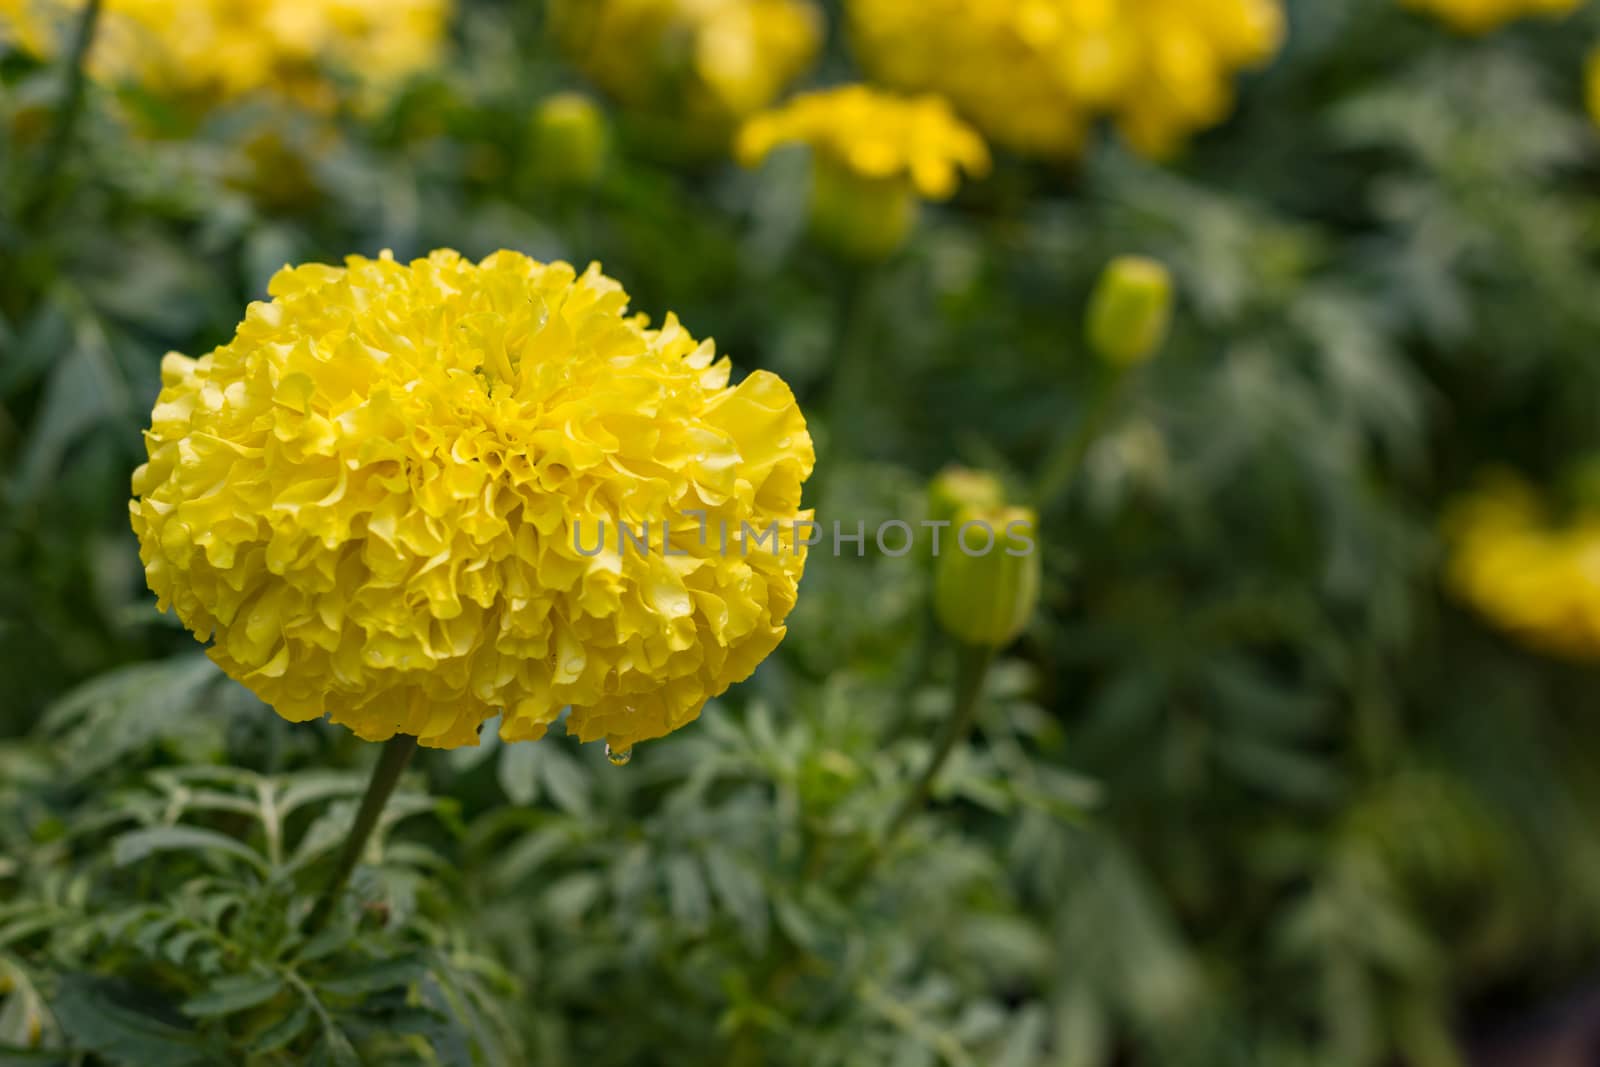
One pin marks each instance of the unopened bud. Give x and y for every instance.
(569, 139)
(956, 489)
(1130, 311)
(986, 585)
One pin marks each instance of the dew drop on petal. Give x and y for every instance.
(619, 757)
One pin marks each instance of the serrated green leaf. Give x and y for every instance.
(688, 897)
(283, 1031)
(518, 771)
(138, 845)
(565, 779)
(108, 1018)
(740, 891)
(234, 993)
(373, 978)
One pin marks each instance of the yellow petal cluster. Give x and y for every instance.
(1480, 16)
(217, 50)
(1534, 576)
(1036, 74)
(368, 499)
(1591, 84)
(708, 60)
(874, 135)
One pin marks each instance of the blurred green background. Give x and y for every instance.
(1253, 788)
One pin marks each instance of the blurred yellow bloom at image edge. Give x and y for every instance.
(711, 60)
(1480, 16)
(1535, 577)
(1035, 75)
(223, 49)
(367, 498)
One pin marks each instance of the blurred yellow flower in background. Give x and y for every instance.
(1534, 575)
(220, 50)
(710, 62)
(1591, 85)
(384, 498)
(874, 135)
(874, 155)
(1035, 74)
(1480, 16)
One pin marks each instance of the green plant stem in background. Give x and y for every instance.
(850, 377)
(972, 667)
(43, 192)
(397, 752)
(1062, 466)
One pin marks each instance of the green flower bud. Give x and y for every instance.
(570, 138)
(956, 489)
(986, 584)
(864, 219)
(1130, 311)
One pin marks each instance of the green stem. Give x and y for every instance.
(850, 375)
(397, 752)
(972, 666)
(71, 108)
(1061, 468)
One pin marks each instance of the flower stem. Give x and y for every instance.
(1061, 468)
(972, 666)
(43, 191)
(397, 752)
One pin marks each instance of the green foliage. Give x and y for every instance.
(1250, 789)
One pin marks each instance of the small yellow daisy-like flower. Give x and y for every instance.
(398, 496)
(220, 50)
(707, 61)
(1481, 16)
(874, 135)
(1034, 75)
(1533, 575)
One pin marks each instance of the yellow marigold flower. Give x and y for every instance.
(873, 135)
(396, 497)
(222, 49)
(1522, 568)
(874, 154)
(1035, 74)
(706, 61)
(1480, 16)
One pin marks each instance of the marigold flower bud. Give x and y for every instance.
(957, 489)
(986, 584)
(1130, 311)
(570, 139)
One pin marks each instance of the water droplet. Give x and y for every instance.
(619, 757)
